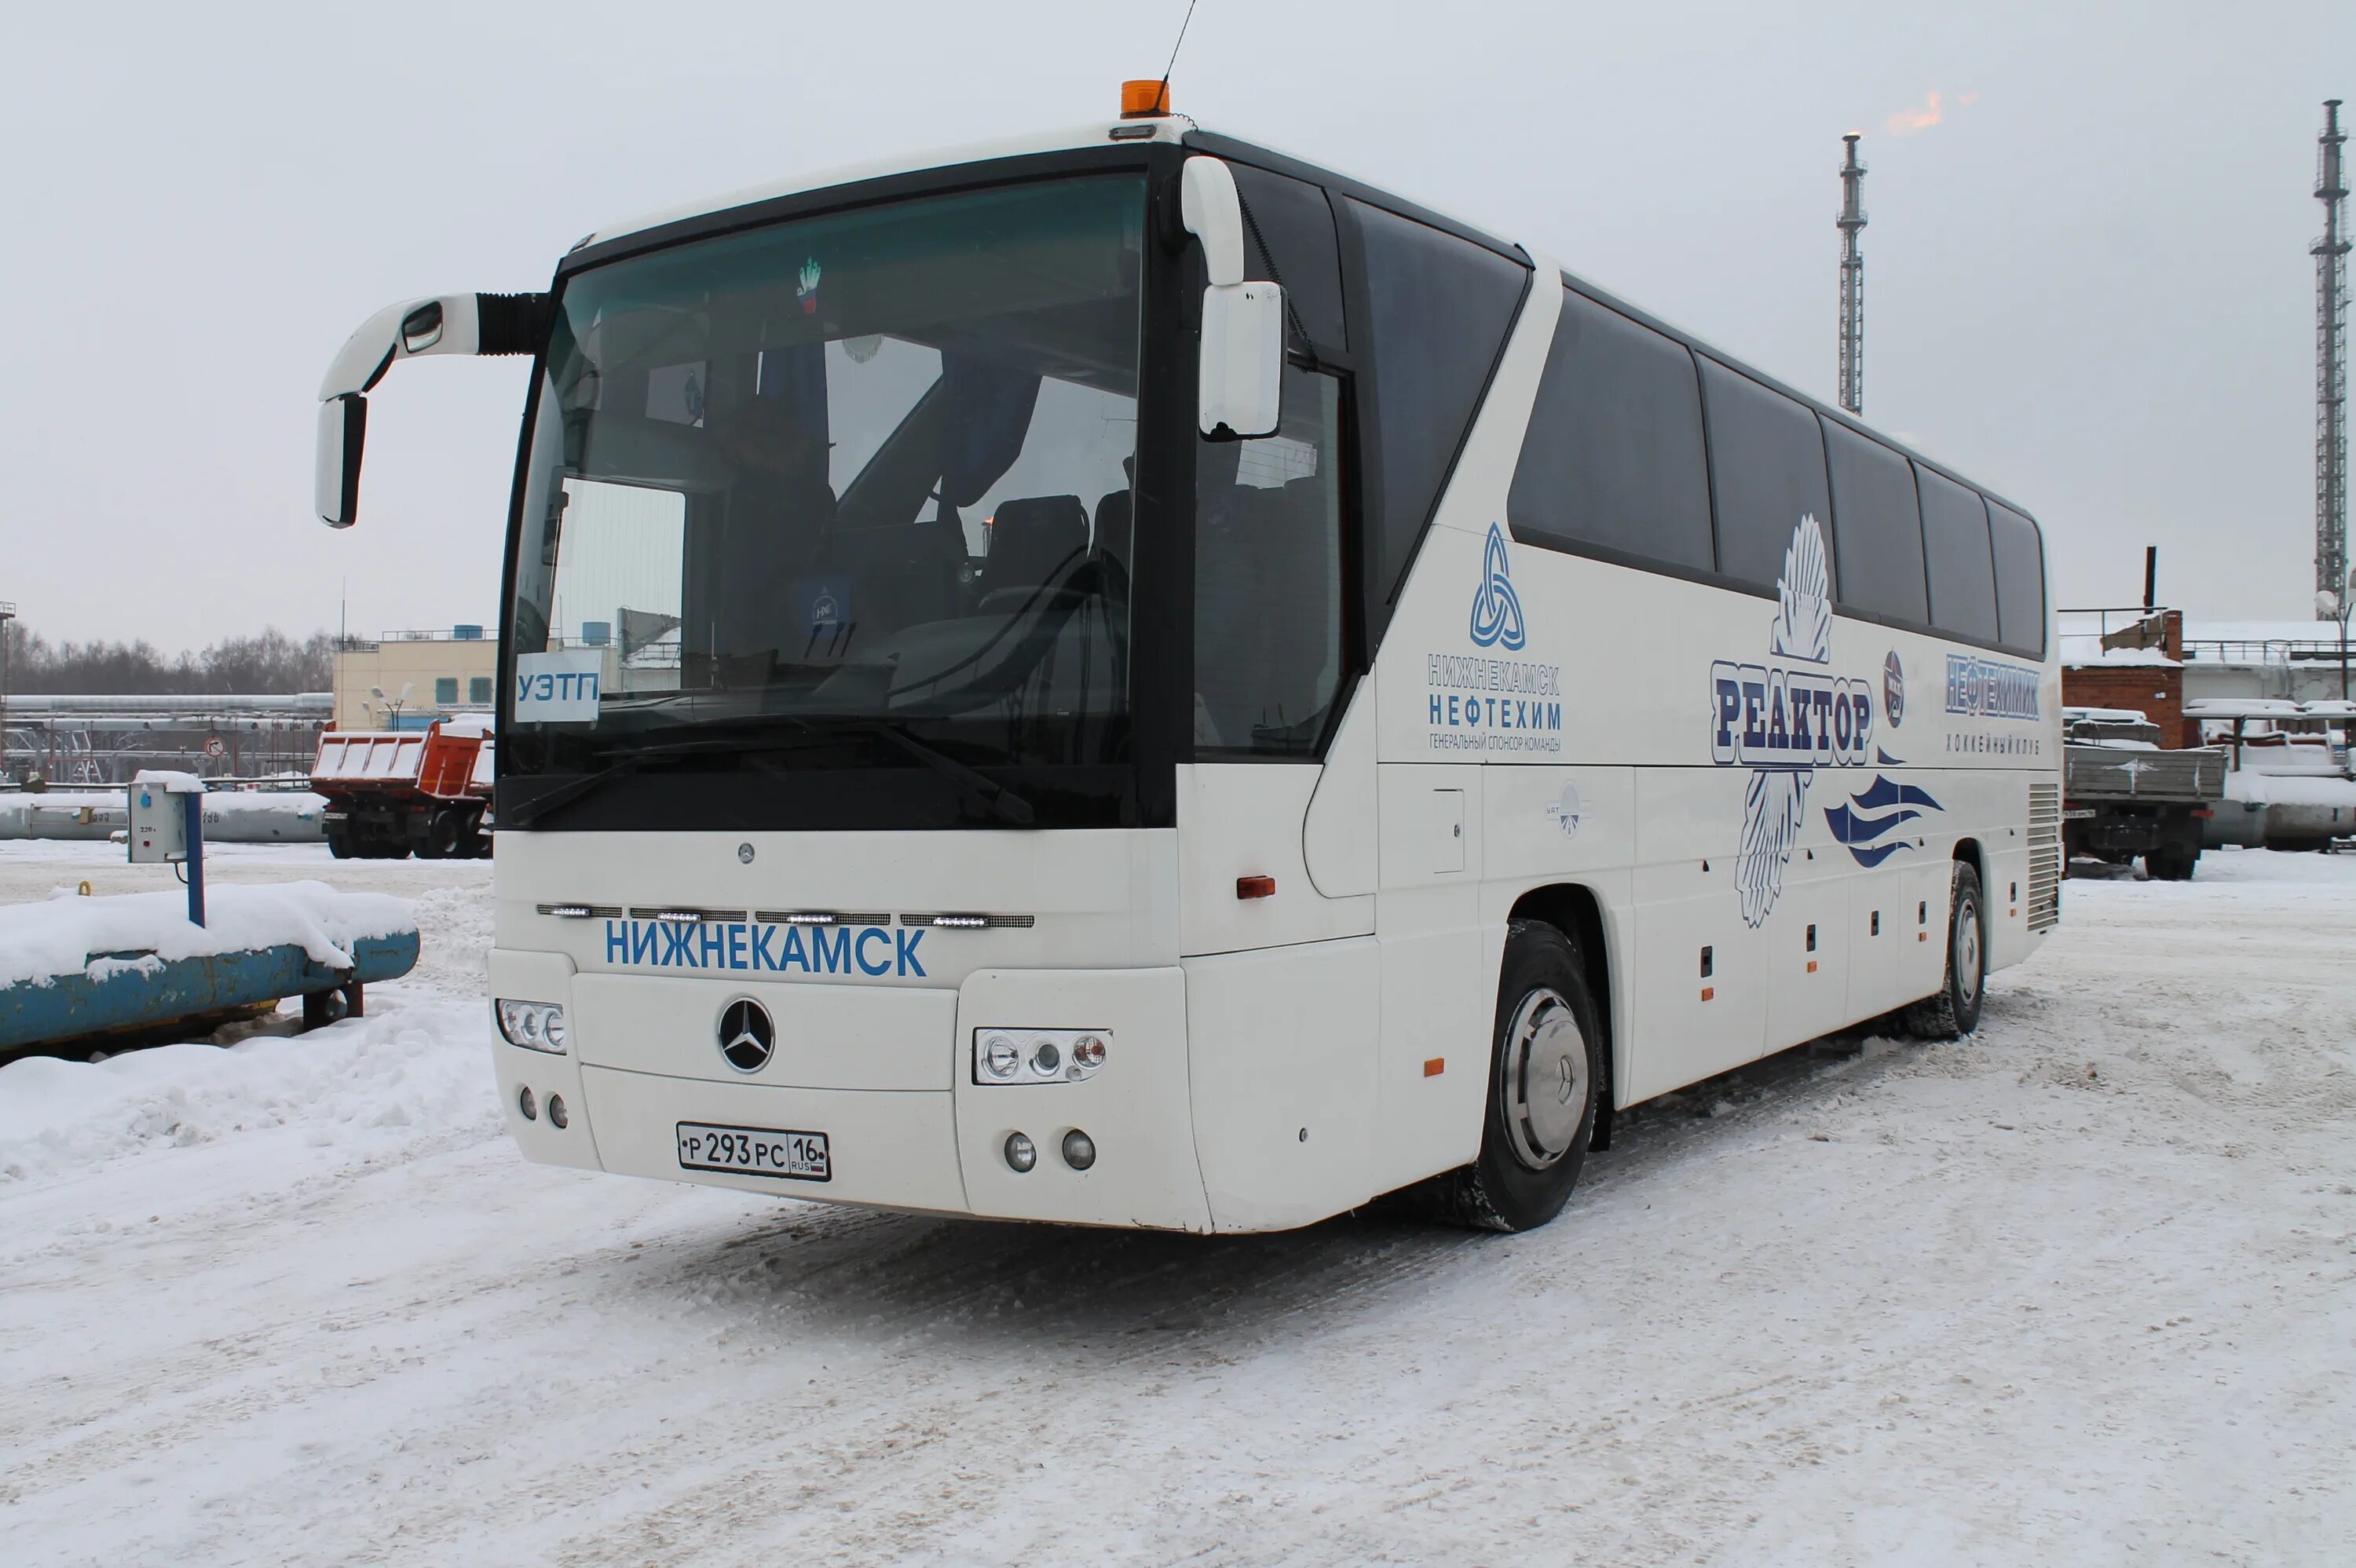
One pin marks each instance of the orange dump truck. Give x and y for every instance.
(390, 792)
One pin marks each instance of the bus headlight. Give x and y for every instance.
(1038, 1055)
(535, 1026)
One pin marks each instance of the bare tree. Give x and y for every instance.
(269, 661)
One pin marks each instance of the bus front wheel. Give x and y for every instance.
(1546, 1071)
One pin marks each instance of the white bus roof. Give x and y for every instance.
(1099, 134)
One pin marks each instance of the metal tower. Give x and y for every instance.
(1852, 281)
(2331, 254)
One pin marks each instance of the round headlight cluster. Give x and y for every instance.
(1022, 1153)
(535, 1026)
(1038, 1055)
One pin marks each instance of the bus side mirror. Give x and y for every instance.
(1240, 390)
(1242, 374)
(437, 324)
(336, 474)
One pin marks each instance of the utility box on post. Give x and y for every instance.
(159, 825)
(168, 825)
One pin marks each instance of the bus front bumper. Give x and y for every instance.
(885, 1073)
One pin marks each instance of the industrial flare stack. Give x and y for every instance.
(1852, 279)
(2331, 254)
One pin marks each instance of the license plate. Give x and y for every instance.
(755, 1151)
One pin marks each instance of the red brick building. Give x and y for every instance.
(2140, 666)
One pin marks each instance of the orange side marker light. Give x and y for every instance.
(1434, 1067)
(1255, 887)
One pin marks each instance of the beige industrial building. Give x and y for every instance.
(405, 680)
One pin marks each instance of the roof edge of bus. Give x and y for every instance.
(1096, 133)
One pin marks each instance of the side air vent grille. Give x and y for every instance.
(2044, 857)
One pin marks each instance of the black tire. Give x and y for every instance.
(1531, 1148)
(1954, 1010)
(339, 841)
(2171, 865)
(445, 836)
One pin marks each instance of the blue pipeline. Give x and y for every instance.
(127, 998)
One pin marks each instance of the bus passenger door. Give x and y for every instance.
(1276, 896)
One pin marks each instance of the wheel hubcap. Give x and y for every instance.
(1968, 949)
(1543, 1086)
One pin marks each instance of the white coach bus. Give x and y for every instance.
(935, 775)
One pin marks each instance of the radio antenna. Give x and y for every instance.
(1164, 105)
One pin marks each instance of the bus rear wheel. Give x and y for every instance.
(1546, 1072)
(1954, 1010)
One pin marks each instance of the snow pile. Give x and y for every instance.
(65, 933)
(418, 1065)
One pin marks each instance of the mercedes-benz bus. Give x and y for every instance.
(1123, 678)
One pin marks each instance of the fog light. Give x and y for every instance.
(1001, 1059)
(557, 1113)
(1087, 1051)
(527, 1104)
(1046, 1060)
(1079, 1150)
(1022, 1153)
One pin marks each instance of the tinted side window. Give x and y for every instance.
(1614, 456)
(1879, 545)
(1298, 227)
(1767, 470)
(1439, 308)
(2019, 579)
(1956, 552)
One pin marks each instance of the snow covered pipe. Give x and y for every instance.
(134, 990)
(231, 817)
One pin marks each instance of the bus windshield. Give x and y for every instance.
(862, 472)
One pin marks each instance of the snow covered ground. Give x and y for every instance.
(2077, 1290)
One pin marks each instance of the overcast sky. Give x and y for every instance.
(2088, 285)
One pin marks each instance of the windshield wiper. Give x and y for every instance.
(571, 790)
(1003, 803)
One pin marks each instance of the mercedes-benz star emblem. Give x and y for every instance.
(747, 1035)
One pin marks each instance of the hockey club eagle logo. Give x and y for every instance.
(1785, 720)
